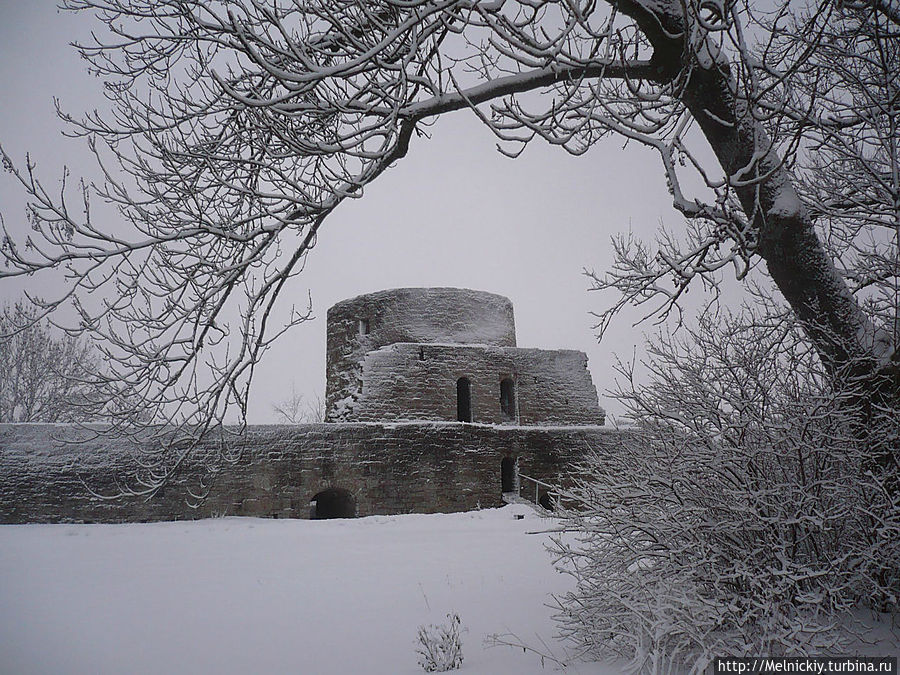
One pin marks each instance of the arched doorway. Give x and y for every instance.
(332, 503)
(546, 500)
(463, 400)
(509, 475)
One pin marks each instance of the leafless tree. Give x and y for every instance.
(849, 174)
(45, 373)
(821, 82)
(743, 518)
(235, 129)
(296, 409)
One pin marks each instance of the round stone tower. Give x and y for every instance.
(406, 315)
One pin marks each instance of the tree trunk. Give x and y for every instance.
(782, 230)
(785, 237)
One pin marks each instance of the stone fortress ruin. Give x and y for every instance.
(450, 355)
(430, 406)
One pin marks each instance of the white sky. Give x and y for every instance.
(453, 213)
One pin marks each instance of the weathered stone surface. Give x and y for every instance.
(389, 469)
(422, 315)
(397, 355)
(418, 382)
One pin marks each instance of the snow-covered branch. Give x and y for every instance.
(233, 130)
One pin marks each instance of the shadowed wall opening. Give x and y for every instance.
(332, 503)
(463, 400)
(509, 474)
(508, 398)
(546, 500)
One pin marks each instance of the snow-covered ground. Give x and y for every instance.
(244, 595)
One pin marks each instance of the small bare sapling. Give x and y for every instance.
(439, 646)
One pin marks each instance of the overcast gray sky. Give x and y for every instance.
(455, 212)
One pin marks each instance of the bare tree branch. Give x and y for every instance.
(234, 130)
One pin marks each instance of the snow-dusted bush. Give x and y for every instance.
(751, 510)
(440, 648)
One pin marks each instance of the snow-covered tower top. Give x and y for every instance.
(424, 315)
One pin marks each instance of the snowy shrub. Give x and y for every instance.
(748, 514)
(439, 647)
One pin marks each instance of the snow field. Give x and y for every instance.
(244, 595)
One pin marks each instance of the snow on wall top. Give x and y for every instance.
(410, 315)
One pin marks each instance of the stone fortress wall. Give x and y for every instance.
(409, 381)
(279, 470)
(430, 407)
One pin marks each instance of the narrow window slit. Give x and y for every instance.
(463, 400)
